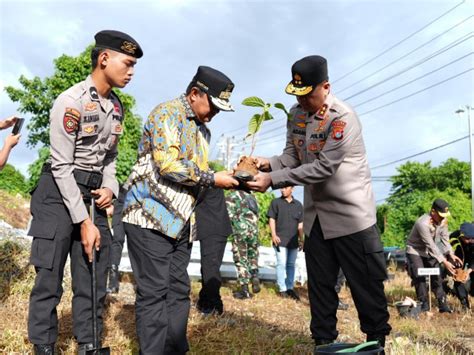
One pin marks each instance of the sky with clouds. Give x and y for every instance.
(417, 54)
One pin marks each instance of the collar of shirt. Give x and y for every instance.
(187, 108)
(284, 199)
(192, 116)
(94, 94)
(322, 112)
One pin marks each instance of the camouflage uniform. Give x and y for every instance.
(243, 213)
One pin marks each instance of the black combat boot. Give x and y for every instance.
(292, 294)
(255, 285)
(243, 293)
(114, 276)
(465, 304)
(425, 306)
(43, 349)
(443, 306)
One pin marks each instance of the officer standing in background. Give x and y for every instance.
(422, 252)
(325, 152)
(85, 125)
(171, 170)
(213, 228)
(243, 212)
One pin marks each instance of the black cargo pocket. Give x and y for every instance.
(375, 259)
(42, 229)
(44, 245)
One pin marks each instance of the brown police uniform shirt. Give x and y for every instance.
(325, 152)
(423, 237)
(84, 132)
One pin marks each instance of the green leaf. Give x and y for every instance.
(253, 101)
(281, 107)
(267, 116)
(255, 123)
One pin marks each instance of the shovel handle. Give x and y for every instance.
(95, 332)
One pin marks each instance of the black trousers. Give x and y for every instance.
(360, 256)
(414, 263)
(212, 252)
(56, 237)
(118, 240)
(162, 301)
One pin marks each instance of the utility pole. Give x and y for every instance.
(226, 148)
(460, 111)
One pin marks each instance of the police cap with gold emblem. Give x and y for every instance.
(306, 74)
(442, 207)
(119, 42)
(216, 84)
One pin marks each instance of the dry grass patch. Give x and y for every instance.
(265, 324)
(15, 210)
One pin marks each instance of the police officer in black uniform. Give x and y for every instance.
(213, 228)
(85, 125)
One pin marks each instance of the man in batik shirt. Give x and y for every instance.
(171, 170)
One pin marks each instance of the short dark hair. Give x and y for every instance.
(192, 85)
(95, 52)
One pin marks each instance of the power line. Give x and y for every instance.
(421, 61)
(397, 100)
(416, 92)
(389, 91)
(405, 55)
(398, 43)
(420, 153)
(412, 81)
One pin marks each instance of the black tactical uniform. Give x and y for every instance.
(84, 132)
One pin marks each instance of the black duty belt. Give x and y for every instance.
(90, 179)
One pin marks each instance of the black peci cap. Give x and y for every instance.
(216, 84)
(306, 74)
(119, 42)
(442, 207)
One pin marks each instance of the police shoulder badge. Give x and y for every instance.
(71, 119)
(338, 129)
(322, 111)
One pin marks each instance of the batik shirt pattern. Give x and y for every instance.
(172, 167)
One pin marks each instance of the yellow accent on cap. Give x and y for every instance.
(298, 91)
(129, 47)
(444, 214)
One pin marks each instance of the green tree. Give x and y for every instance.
(12, 180)
(36, 97)
(264, 200)
(414, 189)
(422, 176)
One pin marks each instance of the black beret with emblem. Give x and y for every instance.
(216, 84)
(119, 42)
(306, 74)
